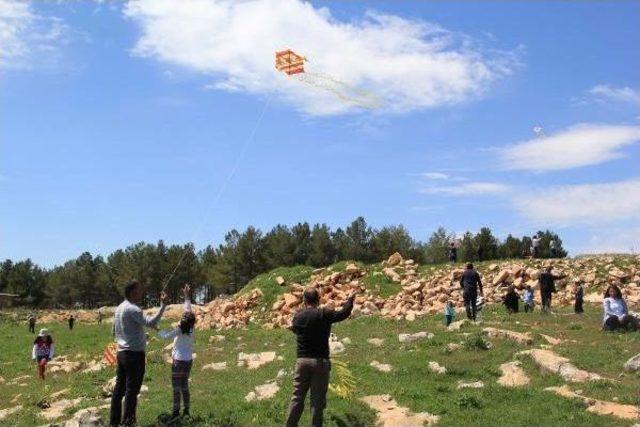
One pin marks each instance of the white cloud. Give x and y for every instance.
(435, 175)
(407, 64)
(581, 145)
(615, 240)
(585, 204)
(468, 188)
(606, 92)
(27, 37)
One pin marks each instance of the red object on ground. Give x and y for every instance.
(110, 354)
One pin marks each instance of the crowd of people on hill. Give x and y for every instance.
(312, 327)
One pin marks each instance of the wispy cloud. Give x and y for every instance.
(585, 204)
(435, 175)
(609, 93)
(27, 37)
(468, 189)
(613, 240)
(408, 64)
(580, 145)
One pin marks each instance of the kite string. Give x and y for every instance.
(223, 187)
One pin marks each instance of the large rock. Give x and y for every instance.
(549, 361)
(503, 333)
(394, 259)
(633, 364)
(418, 336)
(392, 275)
(392, 415)
(600, 407)
(290, 300)
(513, 375)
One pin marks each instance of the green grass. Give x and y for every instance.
(218, 397)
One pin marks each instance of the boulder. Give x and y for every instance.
(633, 364)
(394, 259)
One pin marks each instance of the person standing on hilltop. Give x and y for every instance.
(535, 246)
(128, 325)
(547, 288)
(553, 251)
(470, 282)
(453, 253)
(312, 326)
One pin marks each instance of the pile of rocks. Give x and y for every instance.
(225, 313)
(427, 293)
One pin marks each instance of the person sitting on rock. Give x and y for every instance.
(616, 314)
(577, 305)
(312, 326)
(527, 299)
(470, 282)
(511, 299)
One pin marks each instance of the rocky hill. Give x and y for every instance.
(399, 288)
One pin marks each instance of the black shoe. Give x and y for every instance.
(175, 414)
(185, 412)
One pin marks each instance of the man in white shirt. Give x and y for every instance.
(129, 323)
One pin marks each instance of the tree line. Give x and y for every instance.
(92, 281)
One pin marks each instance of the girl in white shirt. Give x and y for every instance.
(183, 339)
(616, 314)
(42, 351)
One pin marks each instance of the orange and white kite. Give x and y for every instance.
(292, 64)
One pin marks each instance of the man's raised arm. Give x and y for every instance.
(344, 312)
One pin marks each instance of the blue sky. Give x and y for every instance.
(122, 122)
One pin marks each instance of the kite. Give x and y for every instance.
(292, 64)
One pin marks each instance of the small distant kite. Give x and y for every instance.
(292, 64)
(538, 130)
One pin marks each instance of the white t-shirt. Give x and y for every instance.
(182, 343)
(614, 307)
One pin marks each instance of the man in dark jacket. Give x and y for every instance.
(547, 288)
(312, 327)
(470, 282)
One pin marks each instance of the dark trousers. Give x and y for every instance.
(180, 383)
(577, 306)
(129, 375)
(447, 319)
(32, 327)
(546, 302)
(309, 374)
(470, 298)
(528, 307)
(70, 326)
(625, 322)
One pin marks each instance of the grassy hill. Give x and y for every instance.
(218, 397)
